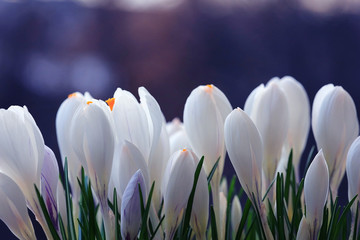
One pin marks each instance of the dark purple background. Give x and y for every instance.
(51, 49)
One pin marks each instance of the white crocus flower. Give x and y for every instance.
(204, 114)
(223, 206)
(13, 211)
(236, 214)
(64, 118)
(245, 150)
(143, 125)
(299, 118)
(352, 172)
(268, 108)
(177, 135)
(92, 135)
(304, 230)
(177, 184)
(130, 206)
(316, 187)
(22, 154)
(335, 126)
(49, 184)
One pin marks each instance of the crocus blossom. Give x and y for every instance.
(335, 126)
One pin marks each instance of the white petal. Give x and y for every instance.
(131, 123)
(271, 117)
(182, 169)
(318, 100)
(174, 126)
(249, 103)
(64, 117)
(352, 169)
(129, 161)
(13, 211)
(95, 140)
(49, 183)
(245, 150)
(204, 126)
(316, 187)
(304, 230)
(179, 140)
(236, 214)
(299, 115)
(337, 127)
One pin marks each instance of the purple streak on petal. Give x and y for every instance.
(49, 182)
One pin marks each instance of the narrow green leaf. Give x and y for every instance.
(356, 220)
(211, 174)
(341, 221)
(243, 220)
(62, 228)
(145, 211)
(157, 227)
(308, 161)
(116, 212)
(186, 223)
(268, 190)
(214, 232)
(280, 207)
(228, 207)
(289, 170)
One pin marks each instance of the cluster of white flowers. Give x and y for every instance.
(123, 143)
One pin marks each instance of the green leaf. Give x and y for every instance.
(62, 228)
(46, 215)
(289, 170)
(280, 206)
(145, 211)
(341, 222)
(157, 227)
(356, 220)
(214, 232)
(243, 220)
(211, 174)
(186, 223)
(268, 190)
(308, 161)
(116, 212)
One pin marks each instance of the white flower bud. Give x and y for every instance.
(335, 126)
(236, 214)
(316, 187)
(245, 150)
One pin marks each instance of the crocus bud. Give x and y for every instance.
(22, 152)
(299, 118)
(335, 126)
(268, 108)
(49, 184)
(178, 140)
(245, 150)
(13, 211)
(316, 187)
(177, 184)
(130, 206)
(204, 114)
(352, 171)
(236, 214)
(93, 137)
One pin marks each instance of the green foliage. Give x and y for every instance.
(283, 220)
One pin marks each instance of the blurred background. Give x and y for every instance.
(49, 49)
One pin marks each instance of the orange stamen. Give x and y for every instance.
(209, 86)
(72, 95)
(184, 150)
(111, 102)
(88, 102)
